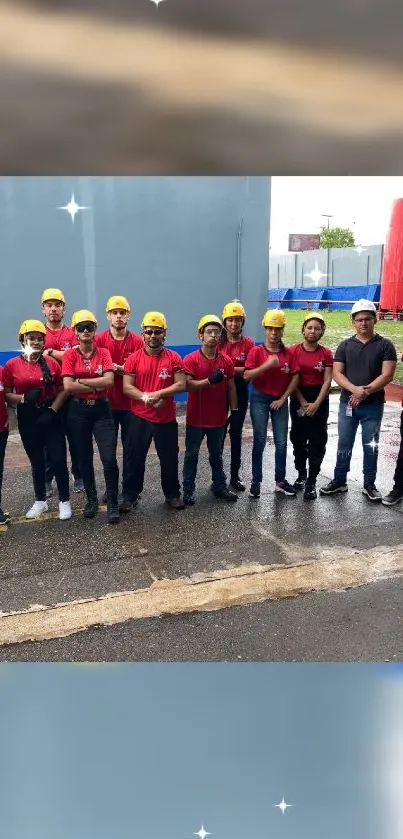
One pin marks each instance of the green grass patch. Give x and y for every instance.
(338, 327)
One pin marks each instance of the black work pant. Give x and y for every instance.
(86, 421)
(35, 439)
(234, 426)
(3, 444)
(63, 413)
(398, 476)
(122, 420)
(309, 434)
(165, 436)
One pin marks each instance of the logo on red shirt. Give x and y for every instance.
(164, 374)
(285, 368)
(99, 370)
(319, 366)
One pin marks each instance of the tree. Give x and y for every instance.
(336, 237)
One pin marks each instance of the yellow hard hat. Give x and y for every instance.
(313, 316)
(274, 317)
(82, 316)
(117, 302)
(53, 294)
(208, 319)
(233, 310)
(154, 319)
(31, 326)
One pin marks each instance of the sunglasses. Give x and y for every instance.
(150, 331)
(85, 327)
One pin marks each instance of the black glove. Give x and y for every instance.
(32, 396)
(216, 376)
(47, 418)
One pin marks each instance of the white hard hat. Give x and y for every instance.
(363, 306)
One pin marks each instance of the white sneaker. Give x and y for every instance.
(65, 511)
(36, 510)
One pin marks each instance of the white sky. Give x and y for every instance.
(362, 203)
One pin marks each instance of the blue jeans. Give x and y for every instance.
(260, 412)
(370, 418)
(193, 441)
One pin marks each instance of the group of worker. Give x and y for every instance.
(75, 383)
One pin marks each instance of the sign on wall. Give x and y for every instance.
(303, 241)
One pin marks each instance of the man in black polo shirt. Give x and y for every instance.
(363, 365)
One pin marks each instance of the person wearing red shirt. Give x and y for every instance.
(120, 343)
(274, 372)
(210, 382)
(34, 385)
(236, 346)
(4, 517)
(152, 377)
(58, 339)
(87, 373)
(309, 405)
(396, 494)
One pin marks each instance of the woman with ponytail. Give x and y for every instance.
(34, 386)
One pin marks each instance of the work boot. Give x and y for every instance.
(310, 491)
(372, 492)
(237, 484)
(254, 491)
(188, 499)
(226, 494)
(393, 497)
(126, 505)
(112, 510)
(300, 482)
(91, 508)
(176, 503)
(4, 517)
(333, 487)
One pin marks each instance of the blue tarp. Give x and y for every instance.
(293, 298)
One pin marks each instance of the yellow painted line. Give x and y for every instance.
(269, 80)
(240, 586)
(51, 515)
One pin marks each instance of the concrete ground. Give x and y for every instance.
(200, 577)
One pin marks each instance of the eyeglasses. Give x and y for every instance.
(213, 332)
(150, 331)
(85, 327)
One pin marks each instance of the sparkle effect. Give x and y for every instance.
(156, 2)
(372, 444)
(316, 274)
(360, 250)
(202, 833)
(283, 806)
(72, 208)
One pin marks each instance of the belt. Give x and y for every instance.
(91, 402)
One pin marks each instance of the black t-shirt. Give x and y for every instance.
(363, 362)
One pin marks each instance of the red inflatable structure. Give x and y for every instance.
(391, 300)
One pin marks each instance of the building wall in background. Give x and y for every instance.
(182, 245)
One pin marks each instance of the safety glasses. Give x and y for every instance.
(85, 327)
(150, 331)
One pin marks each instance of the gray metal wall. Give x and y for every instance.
(340, 266)
(182, 245)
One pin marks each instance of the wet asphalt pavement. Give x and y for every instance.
(49, 562)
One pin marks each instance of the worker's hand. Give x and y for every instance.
(359, 393)
(272, 361)
(216, 377)
(277, 404)
(310, 409)
(118, 368)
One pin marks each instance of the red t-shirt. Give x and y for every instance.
(312, 365)
(208, 407)
(76, 365)
(151, 373)
(22, 375)
(275, 381)
(60, 339)
(237, 351)
(120, 351)
(3, 406)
